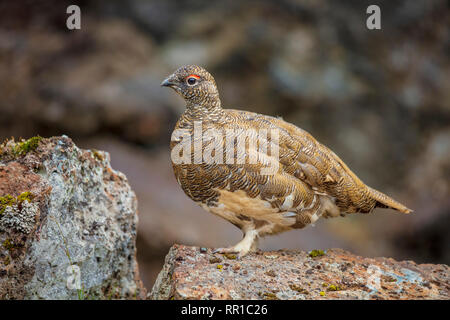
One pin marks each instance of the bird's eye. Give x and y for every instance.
(192, 79)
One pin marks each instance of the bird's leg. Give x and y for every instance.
(247, 244)
(254, 246)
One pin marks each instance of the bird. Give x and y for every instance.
(307, 180)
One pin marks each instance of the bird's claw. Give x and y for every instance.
(224, 250)
(238, 255)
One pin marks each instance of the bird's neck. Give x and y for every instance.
(204, 110)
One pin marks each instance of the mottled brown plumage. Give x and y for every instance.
(310, 182)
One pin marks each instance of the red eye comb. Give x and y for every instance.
(193, 76)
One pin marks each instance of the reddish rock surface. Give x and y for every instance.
(195, 273)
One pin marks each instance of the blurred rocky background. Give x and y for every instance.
(379, 98)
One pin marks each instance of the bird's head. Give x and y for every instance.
(195, 85)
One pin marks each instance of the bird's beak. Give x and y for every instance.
(168, 82)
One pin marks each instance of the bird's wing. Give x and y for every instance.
(307, 163)
(326, 173)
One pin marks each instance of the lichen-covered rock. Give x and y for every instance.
(197, 273)
(67, 224)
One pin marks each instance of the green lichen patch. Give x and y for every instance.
(230, 256)
(388, 278)
(10, 150)
(97, 155)
(214, 260)
(8, 244)
(298, 289)
(23, 147)
(333, 287)
(270, 296)
(6, 201)
(316, 253)
(25, 196)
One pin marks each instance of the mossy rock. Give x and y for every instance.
(10, 150)
(26, 146)
(8, 200)
(5, 202)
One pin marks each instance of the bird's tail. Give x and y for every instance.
(383, 201)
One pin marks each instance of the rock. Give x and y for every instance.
(189, 273)
(67, 224)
